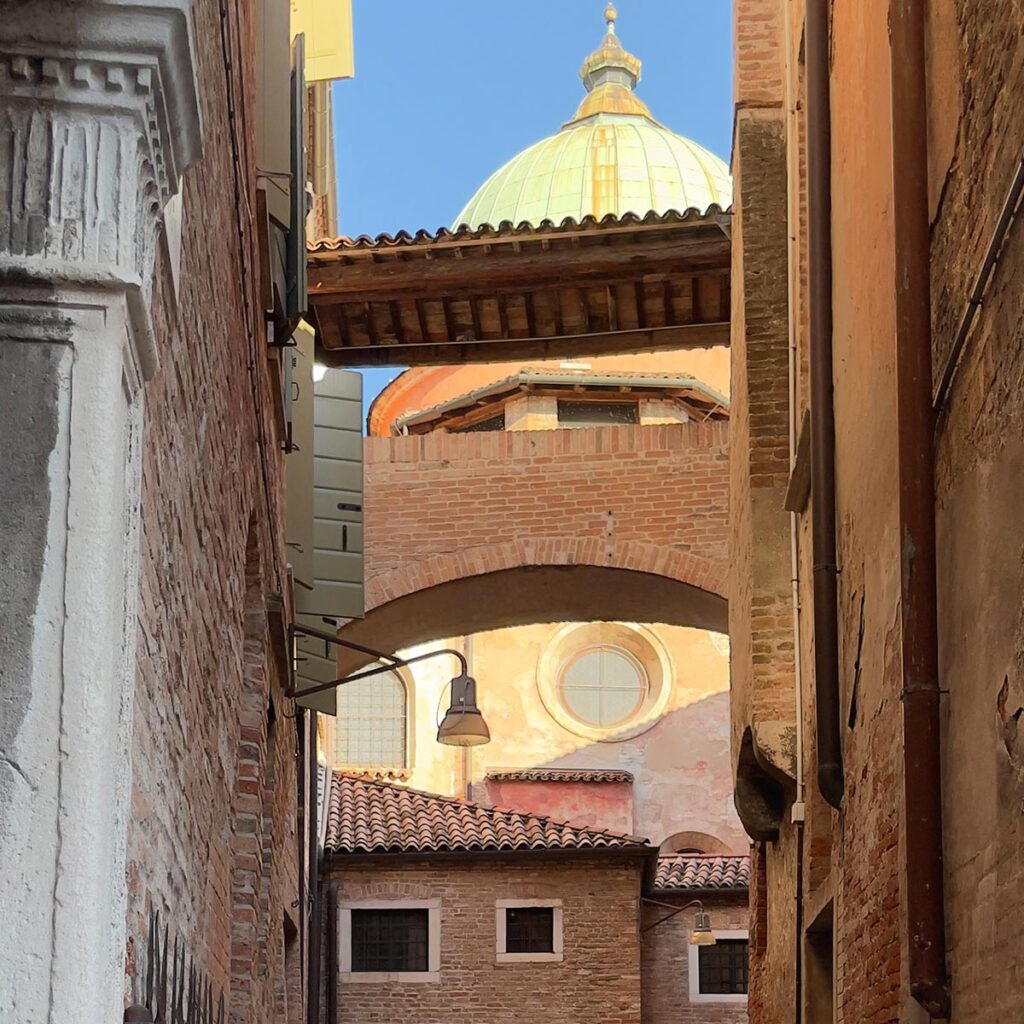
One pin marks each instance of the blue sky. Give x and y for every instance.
(447, 91)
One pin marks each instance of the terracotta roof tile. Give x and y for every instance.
(560, 775)
(366, 815)
(685, 871)
(506, 229)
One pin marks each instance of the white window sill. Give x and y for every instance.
(384, 977)
(528, 958)
(708, 997)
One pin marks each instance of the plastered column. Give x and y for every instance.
(98, 118)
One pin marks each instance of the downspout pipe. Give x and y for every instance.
(798, 813)
(823, 425)
(313, 860)
(915, 425)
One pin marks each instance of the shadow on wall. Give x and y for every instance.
(682, 782)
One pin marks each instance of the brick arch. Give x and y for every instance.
(636, 556)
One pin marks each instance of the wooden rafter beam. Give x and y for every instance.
(688, 336)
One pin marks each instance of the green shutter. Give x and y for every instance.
(337, 591)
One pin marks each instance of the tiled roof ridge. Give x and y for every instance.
(702, 871)
(507, 228)
(546, 774)
(507, 817)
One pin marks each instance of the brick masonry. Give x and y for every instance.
(212, 838)
(598, 980)
(443, 506)
(665, 962)
(856, 858)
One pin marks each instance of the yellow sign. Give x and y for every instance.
(328, 28)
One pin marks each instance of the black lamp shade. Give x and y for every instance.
(463, 725)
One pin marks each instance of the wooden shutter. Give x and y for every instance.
(272, 99)
(337, 591)
(299, 463)
(327, 25)
(296, 301)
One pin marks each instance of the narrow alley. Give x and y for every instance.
(604, 606)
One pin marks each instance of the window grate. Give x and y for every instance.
(390, 940)
(530, 930)
(723, 968)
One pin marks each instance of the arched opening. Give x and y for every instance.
(530, 594)
(695, 843)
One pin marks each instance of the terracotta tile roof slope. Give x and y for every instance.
(506, 229)
(685, 871)
(560, 775)
(367, 815)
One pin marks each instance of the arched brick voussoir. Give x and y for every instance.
(684, 567)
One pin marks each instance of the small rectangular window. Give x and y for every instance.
(597, 414)
(390, 941)
(723, 968)
(492, 423)
(530, 930)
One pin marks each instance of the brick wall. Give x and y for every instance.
(665, 956)
(441, 506)
(976, 88)
(598, 980)
(211, 840)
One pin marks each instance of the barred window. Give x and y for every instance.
(390, 940)
(723, 967)
(529, 930)
(371, 724)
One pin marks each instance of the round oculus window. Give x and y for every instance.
(603, 687)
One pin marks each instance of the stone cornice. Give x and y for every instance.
(99, 118)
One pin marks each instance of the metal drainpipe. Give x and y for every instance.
(313, 853)
(823, 426)
(922, 772)
(793, 272)
(332, 953)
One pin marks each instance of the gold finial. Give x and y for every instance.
(610, 14)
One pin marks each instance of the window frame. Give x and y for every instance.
(433, 972)
(503, 957)
(693, 961)
(644, 688)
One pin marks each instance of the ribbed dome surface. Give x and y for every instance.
(612, 157)
(610, 164)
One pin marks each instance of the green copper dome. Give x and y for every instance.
(612, 157)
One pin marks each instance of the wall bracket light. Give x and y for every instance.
(463, 724)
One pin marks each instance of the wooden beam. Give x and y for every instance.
(689, 336)
(330, 275)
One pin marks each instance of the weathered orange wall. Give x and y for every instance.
(607, 805)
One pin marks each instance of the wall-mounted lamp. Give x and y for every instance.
(463, 724)
(701, 934)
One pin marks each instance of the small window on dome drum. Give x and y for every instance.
(597, 414)
(492, 423)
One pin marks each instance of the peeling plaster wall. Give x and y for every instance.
(682, 779)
